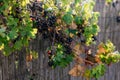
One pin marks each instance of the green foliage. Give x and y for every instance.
(2, 30)
(72, 31)
(97, 71)
(16, 30)
(61, 58)
(109, 47)
(78, 20)
(109, 55)
(68, 18)
(90, 31)
(15, 26)
(78, 11)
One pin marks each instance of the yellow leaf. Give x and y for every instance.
(25, 2)
(71, 35)
(10, 8)
(2, 46)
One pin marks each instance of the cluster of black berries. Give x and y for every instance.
(43, 19)
(45, 22)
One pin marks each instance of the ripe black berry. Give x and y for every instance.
(94, 38)
(69, 40)
(68, 50)
(79, 34)
(50, 63)
(51, 21)
(83, 41)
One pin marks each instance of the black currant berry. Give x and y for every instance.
(118, 19)
(51, 20)
(83, 41)
(94, 38)
(50, 63)
(45, 35)
(33, 74)
(45, 13)
(69, 40)
(79, 34)
(68, 50)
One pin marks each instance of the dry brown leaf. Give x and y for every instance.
(29, 58)
(101, 49)
(73, 26)
(79, 60)
(97, 59)
(77, 70)
(91, 58)
(58, 21)
(78, 49)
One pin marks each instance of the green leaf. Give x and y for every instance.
(95, 29)
(2, 34)
(73, 31)
(78, 20)
(77, 1)
(64, 2)
(63, 62)
(13, 34)
(7, 50)
(12, 21)
(18, 45)
(69, 58)
(67, 18)
(58, 57)
(25, 42)
(98, 71)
